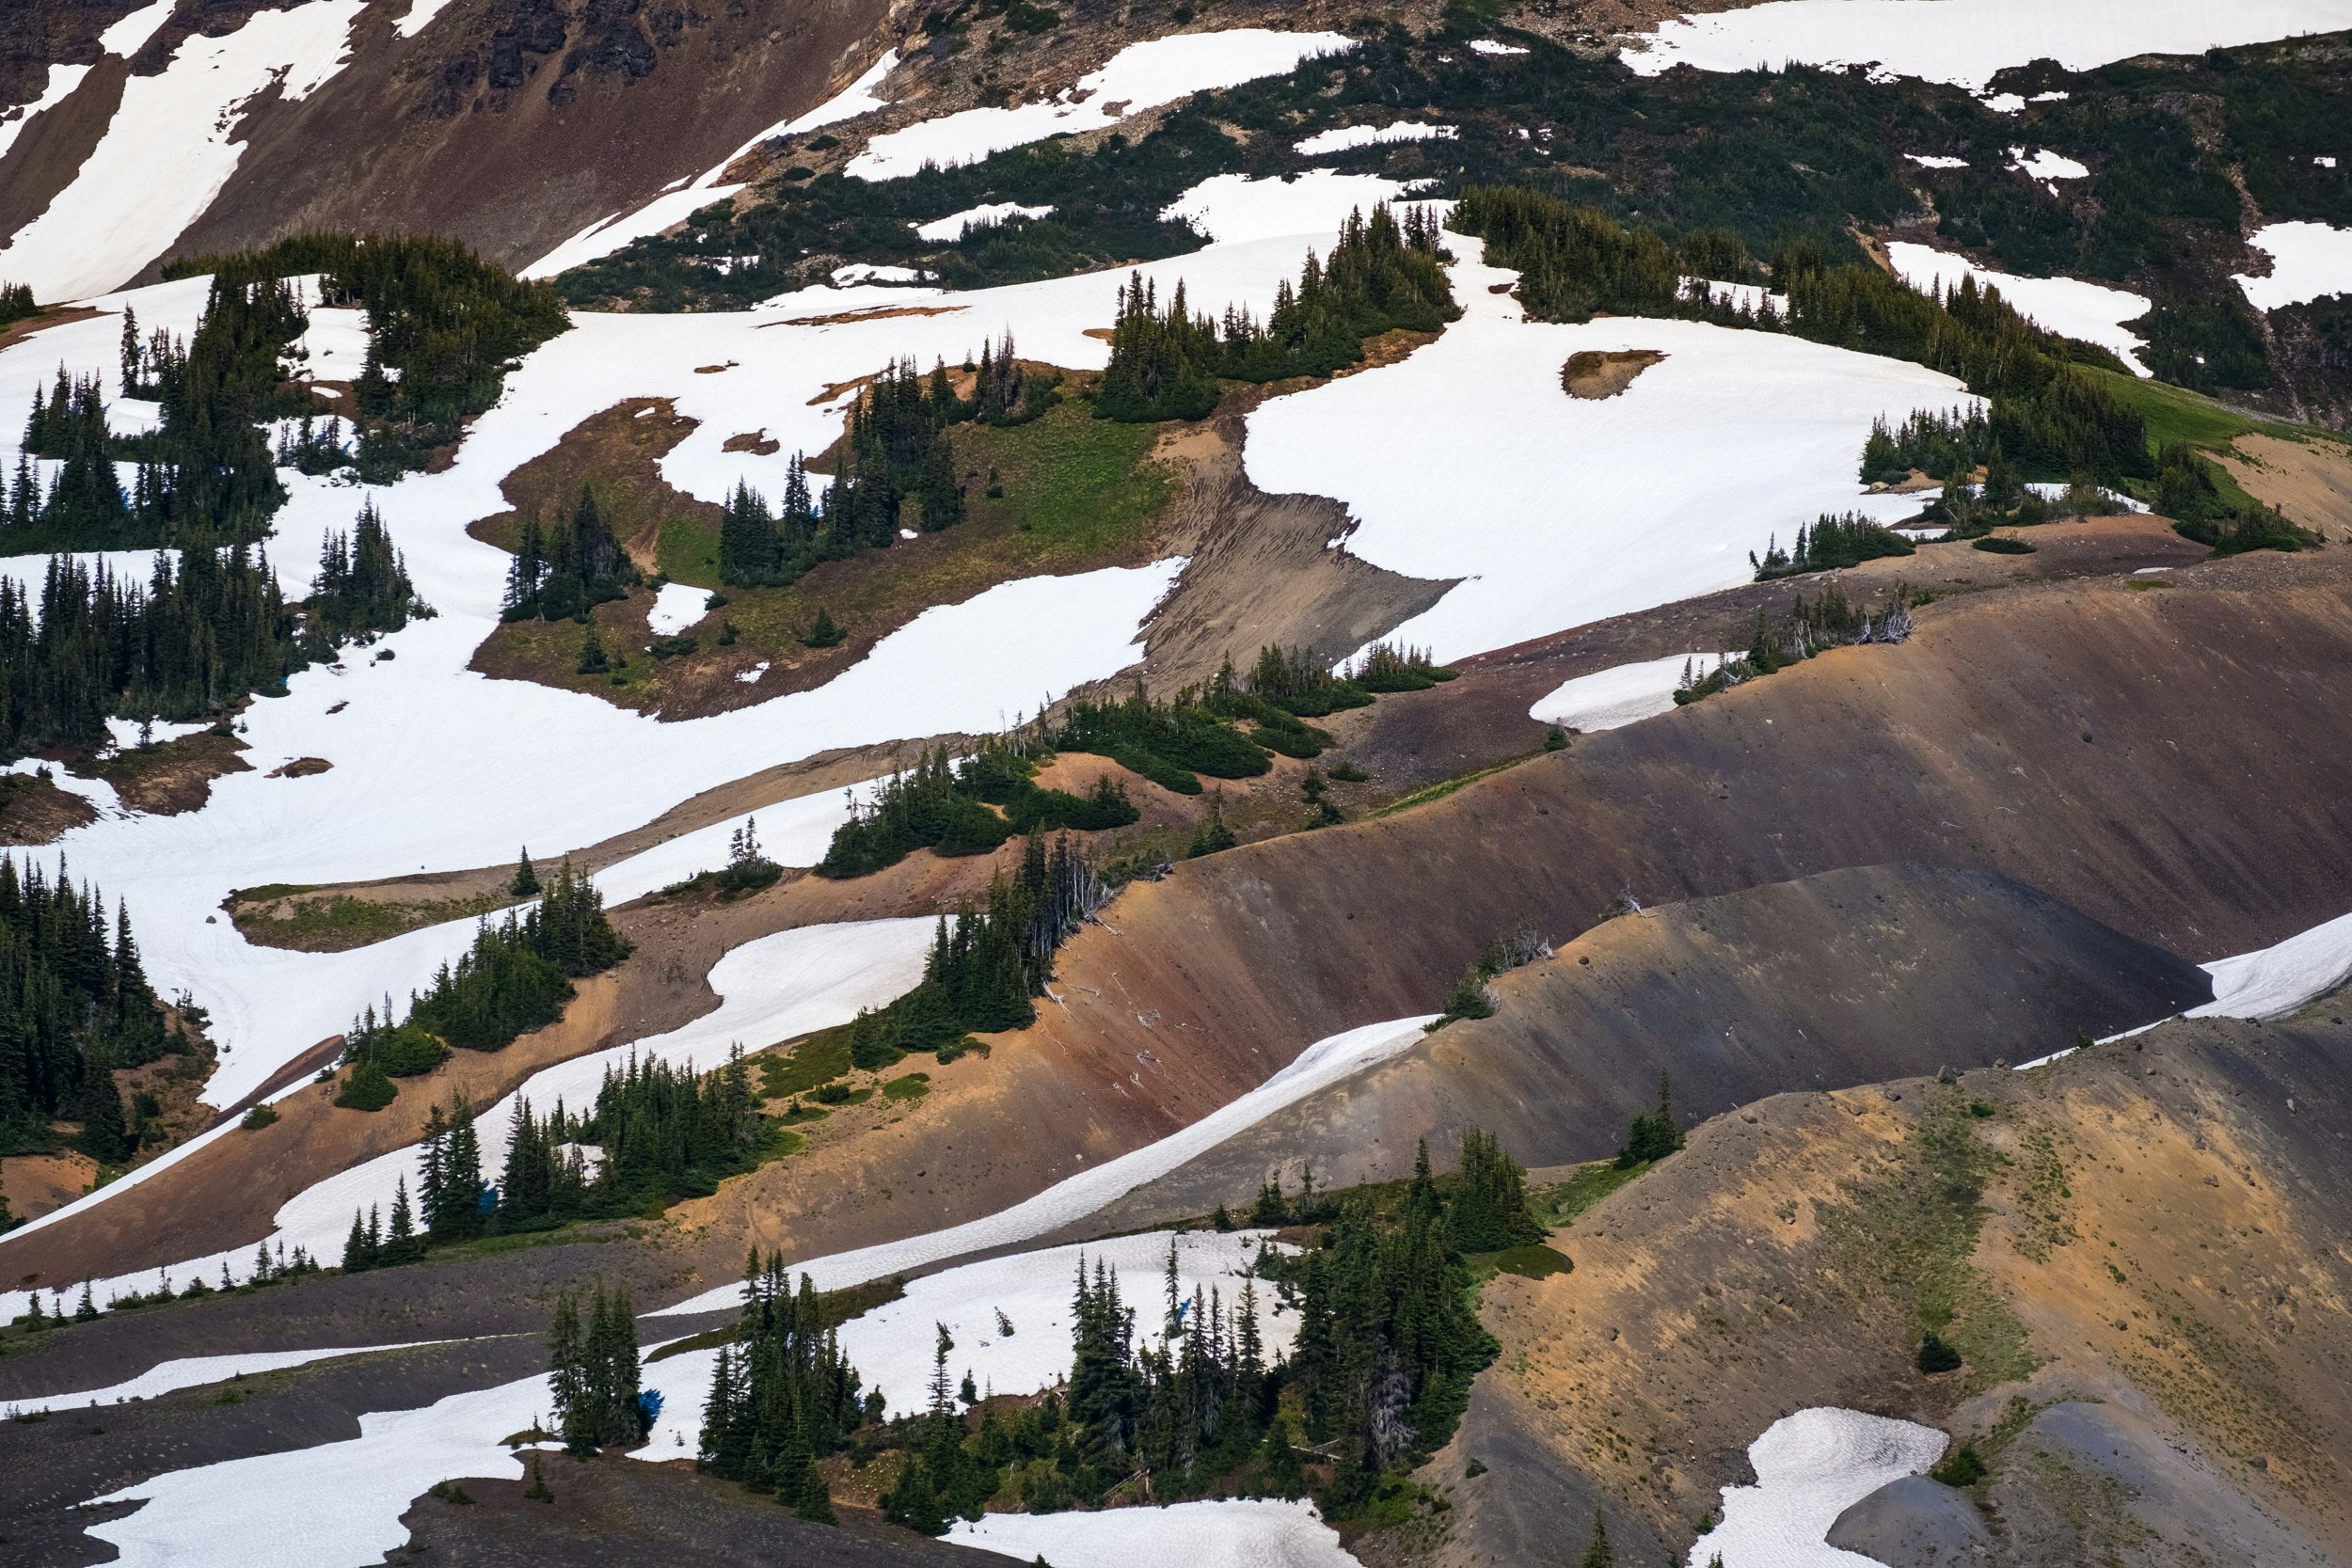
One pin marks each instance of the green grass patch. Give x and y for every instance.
(1444, 788)
(819, 1059)
(1561, 1204)
(1531, 1261)
(1069, 481)
(1901, 1240)
(911, 1086)
(2177, 414)
(687, 552)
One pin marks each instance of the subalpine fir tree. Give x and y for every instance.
(593, 1374)
(106, 1137)
(402, 1244)
(1596, 1553)
(1653, 1136)
(1489, 1208)
(526, 879)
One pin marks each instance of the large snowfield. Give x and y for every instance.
(1468, 460)
(1965, 41)
(187, 1371)
(1809, 1468)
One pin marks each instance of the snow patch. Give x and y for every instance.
(870, 272)
(1240, 1532)
(1579, 510)
(2047, 167)
(1351, 136)
(1928, 160)
(1233, 209)
(892, 1346)
(169, 149)
(2308, 262)
(420, 12)
(1139, 78)
(952, 227)
(190, 1371)
(2067, 306)
(1965, 41)
(2276, 980)
(1810, 1468)
(677, 607)
(334, 347)
(1624, 694)
(1488, 46)
(856, 98)
(129, 36)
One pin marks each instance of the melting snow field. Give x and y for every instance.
(1349, 138)
(2308, 262)
(169, 149)
(1467, 460)
(347, 1497)
(1965, 41)
(891, 1345)
(1810, 1468)
(1238, 1533)
(2091, 312)
(2274, 981)
(1233, 209)
(1140, 76)
(1623, 694)
(951, 228)
(192, 1371)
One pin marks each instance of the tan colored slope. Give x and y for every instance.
(2143, 1240)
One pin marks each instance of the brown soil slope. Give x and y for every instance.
(2168, 763)
(2138, 1250)
(1843, 978)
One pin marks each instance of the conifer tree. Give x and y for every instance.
(526, 879)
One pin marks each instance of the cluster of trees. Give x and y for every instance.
(193, 640)
(515, 977)
(1653, 1135)
(1937, 444)
(202, 633)
(1809, 627)
(2046, 412)
(897, 450)
(2189, 491)
(942, 805)
(659, 1134)
(362, 587)
(593, 1373)
(444, 328)
(782, 1396)
(1388, 1343)
(983, 969)
(16, 303)
(1381, 275)
(74, 1006)
(564, 569)
(1829, 542)
(1469, 997)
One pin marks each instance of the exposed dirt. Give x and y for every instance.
(1843, 978)
(169, 777)
(301, 768)
(48, 152)
(2151, 1225)
(2309, 481)
(1594, 375)
(1264, 569)
(35, 1184)
(33, 810)
(619, 1514)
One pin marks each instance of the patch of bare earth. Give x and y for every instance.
(1594, 374)
(2309, 481)
(33, 810)
(169, 777)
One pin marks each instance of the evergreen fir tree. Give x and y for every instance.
(526, 879)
